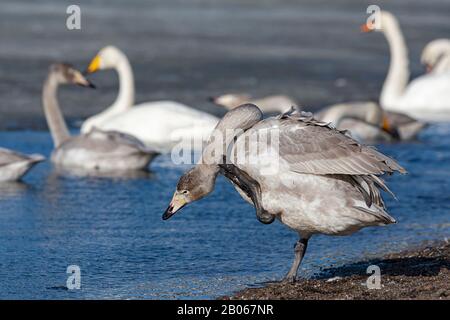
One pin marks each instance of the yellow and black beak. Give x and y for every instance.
(94, 66)
(178, 202)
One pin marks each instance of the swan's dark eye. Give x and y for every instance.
(185, 192)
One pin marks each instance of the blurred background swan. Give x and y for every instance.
(97, 150)
(159, 124)
(436, 56)
(366, 120)
(13, 165)
(269, 104)
(426, 97)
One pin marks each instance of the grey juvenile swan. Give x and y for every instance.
(324, 182)
(13, 165)
(268, 104)
(98, 150)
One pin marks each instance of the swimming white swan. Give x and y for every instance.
(97, 150)
(436, 56)
(269, 104)
(318, 181)
(13, 165)
(159, 124)
(426, 97)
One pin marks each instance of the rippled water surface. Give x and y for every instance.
(112, 229)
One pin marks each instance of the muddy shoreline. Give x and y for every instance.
(419, 273)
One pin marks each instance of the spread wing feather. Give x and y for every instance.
(310, 146)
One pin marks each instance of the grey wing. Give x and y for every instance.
(114, 139)
(310, 146)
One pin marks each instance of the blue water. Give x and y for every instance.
(112, 229)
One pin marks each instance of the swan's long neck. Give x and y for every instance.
(398, 74)
(234, 123)
(125, 98)
(55, 119)
(443, 65)
(239, 119)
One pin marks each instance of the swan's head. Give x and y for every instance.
(192, 186)
(435, 53)
(107, 58)
(67, 74)
(385, 20)
(231, 100)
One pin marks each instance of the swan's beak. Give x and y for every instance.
(94, 66)
(365, 28)
(428, 68)
(178, 202)
(80, 80)
(386, 126)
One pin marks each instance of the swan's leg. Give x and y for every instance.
(299, 249)
(251, 187)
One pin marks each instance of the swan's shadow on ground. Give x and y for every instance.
(409, 266)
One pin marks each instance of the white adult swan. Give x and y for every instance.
(13, 165)
(436, 56)
(98, 150)
(160, 124)
(319, 182)
(426, 97)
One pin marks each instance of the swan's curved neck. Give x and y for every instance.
(125, 98)
(234, 123)
(443, 65)
(398, 74)
(55, 119)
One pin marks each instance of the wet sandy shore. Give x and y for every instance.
(422, 273)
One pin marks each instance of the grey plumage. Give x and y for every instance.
(325, 181)
(13, 165)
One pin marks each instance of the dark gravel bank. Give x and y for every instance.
(422, 273)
